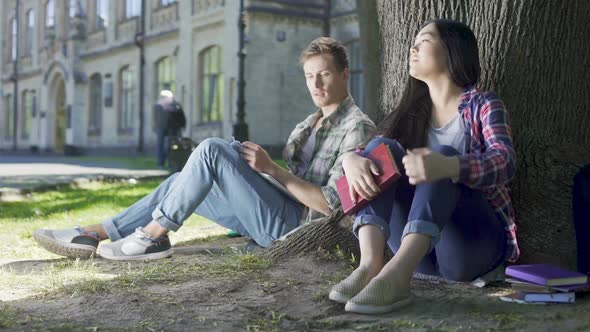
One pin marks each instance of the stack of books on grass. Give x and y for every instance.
(544, 283)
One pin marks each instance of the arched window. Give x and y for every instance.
(164, 3)
(211, 85)
(8, 118)
(73, 8)
(132, 8)
(165, 75)
(102, 13)
(29, 32)
(49, 14)
(13, 39)
(126, 100)
(95, 103)
(27, 111)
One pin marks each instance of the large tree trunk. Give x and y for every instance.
(534, 54)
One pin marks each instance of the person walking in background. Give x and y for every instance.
(168, 120)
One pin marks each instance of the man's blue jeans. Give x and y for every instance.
(468, 239)
(219, 185)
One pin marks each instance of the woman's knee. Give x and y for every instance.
(396, 148)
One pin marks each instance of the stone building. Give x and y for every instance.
(77, 65)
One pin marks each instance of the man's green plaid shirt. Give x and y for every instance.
(341, 132)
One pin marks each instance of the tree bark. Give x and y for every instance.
(332, 233)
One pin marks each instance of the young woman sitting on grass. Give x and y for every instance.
(450, 213)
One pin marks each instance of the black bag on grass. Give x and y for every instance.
(179, 150)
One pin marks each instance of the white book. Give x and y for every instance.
(550, 297)
(539, 298)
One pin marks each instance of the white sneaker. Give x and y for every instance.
(137, 246)
(73, 242)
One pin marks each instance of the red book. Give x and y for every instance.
(389, 173)
(546, 275)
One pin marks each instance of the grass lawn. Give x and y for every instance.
(223, 291)
(138, 162)
(125, 162)
(69, 207)
(28, 270)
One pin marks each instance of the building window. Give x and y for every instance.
(211, 85)
(356, 80)
(126, 101)
(13, 39)
(165, 75)
(25, 121)
(8, 118)
(49, 14)
(102, 13)
(132, 8)
(30, 30)
(95, 103)
(164, 3)
(73, 8)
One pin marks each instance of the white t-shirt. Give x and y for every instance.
(451, 134)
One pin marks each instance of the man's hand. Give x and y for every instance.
(257, 157)
(359, 174)
(424, 165)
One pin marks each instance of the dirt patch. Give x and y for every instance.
(289, 295)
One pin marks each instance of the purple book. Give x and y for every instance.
(545, 274)
(522, 285)
(574, 288)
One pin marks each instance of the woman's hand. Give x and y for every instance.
(359, 174)
(424, 165)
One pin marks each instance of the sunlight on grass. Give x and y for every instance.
(84, 276)
(79, 278)
(69, 207)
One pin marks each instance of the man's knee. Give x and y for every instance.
(211, 146)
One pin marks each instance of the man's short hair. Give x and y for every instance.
(326, 45)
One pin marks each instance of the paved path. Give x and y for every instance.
(20, 175)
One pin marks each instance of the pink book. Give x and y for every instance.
(545, 274)
(389, 173)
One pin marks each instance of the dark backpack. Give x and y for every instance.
(176, 118)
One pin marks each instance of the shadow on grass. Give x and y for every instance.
(68, 199)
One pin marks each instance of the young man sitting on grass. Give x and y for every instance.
(221, 182)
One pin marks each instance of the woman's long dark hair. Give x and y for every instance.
(409, 121)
